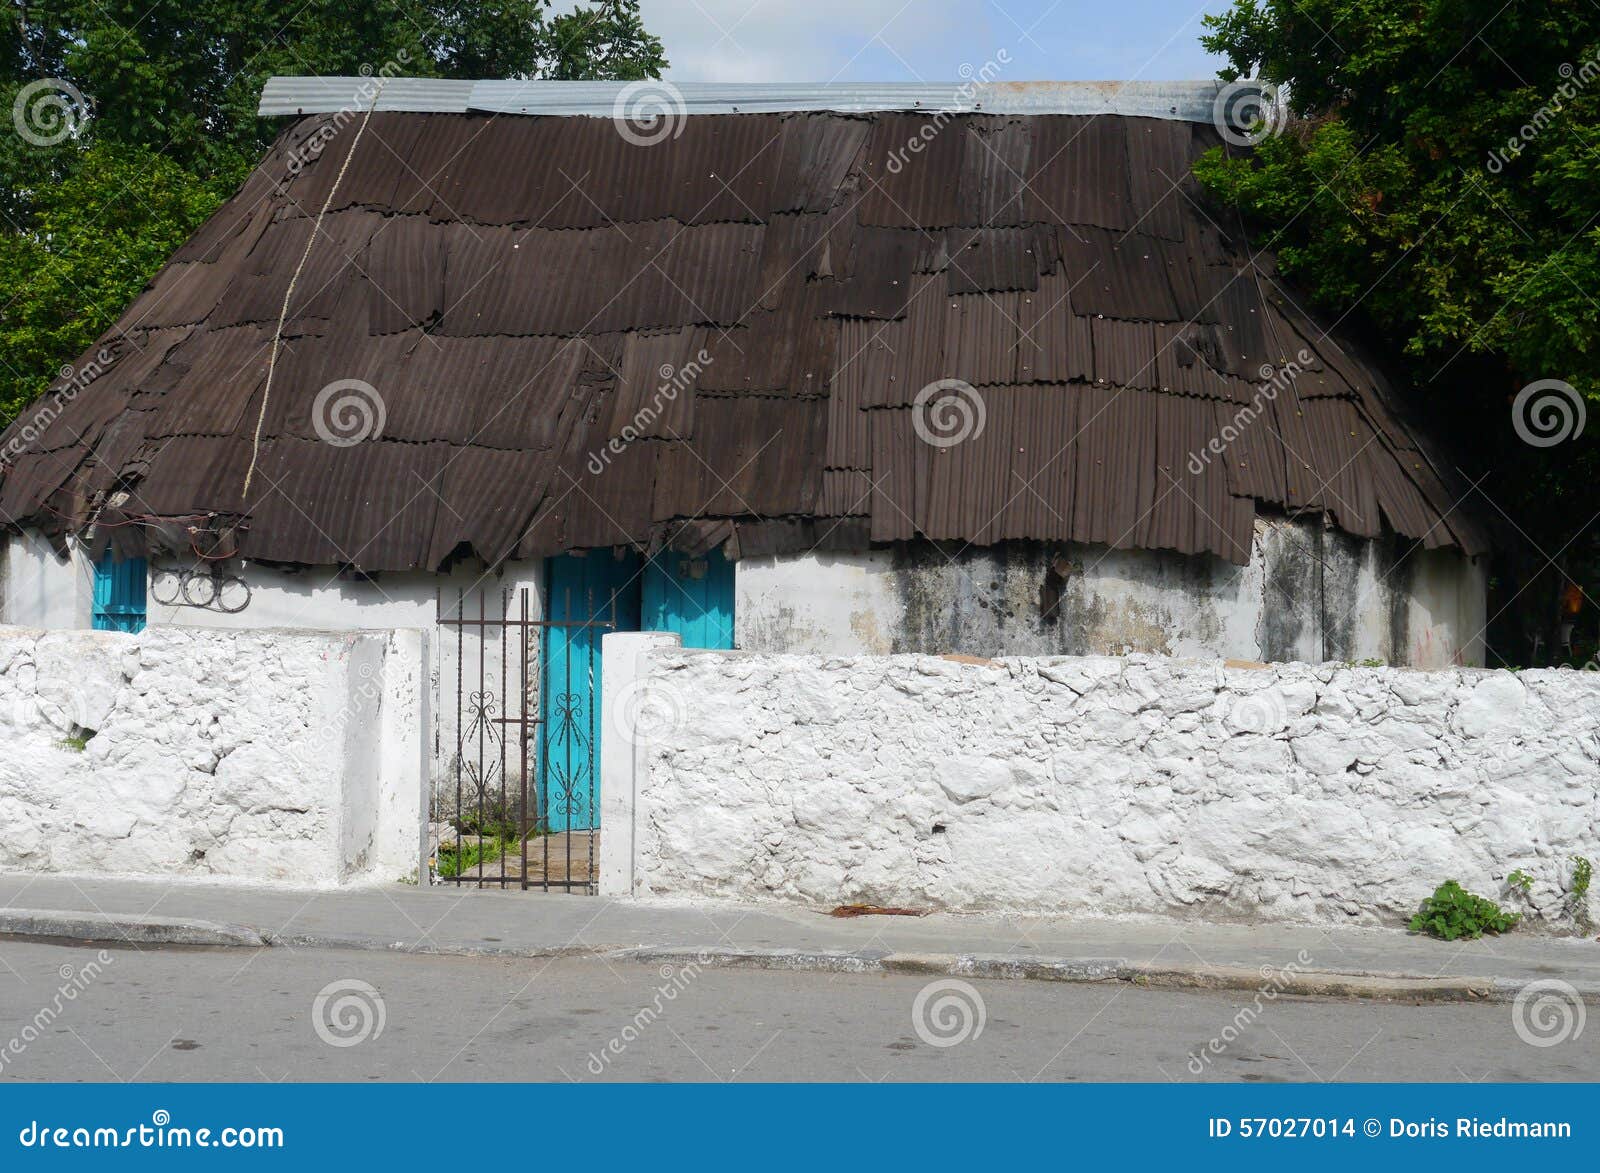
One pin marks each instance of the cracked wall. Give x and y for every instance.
(1113, 786)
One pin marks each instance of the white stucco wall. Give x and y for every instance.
(273, 756)
(321, 598)
(40, 589)
(1106, 786)
(1306, 594)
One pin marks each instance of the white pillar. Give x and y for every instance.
(625, 670)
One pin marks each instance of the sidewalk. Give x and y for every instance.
(1359, 962)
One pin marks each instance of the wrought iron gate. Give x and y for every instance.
(524, 767)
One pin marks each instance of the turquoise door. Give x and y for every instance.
(591, 595)
(692, 597)
(119, 593)
(593, 589)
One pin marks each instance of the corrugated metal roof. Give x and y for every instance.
(739, 334)
(1189, 101)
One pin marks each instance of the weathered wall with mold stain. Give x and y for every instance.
(1308, 594)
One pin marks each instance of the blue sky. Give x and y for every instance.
(929, 40)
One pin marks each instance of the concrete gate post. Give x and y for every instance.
(624, 746)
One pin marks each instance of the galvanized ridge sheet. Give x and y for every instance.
(1189, 101)
(738, 334)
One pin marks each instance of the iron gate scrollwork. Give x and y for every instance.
(520, 787)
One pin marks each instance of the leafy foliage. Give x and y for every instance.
(1582, 876)
(1452, 913)
(85, 222)
(1439, 185)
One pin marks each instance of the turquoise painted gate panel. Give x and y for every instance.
(119, 593)
(592, 590)
(692, 597)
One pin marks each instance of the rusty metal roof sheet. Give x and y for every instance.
(751, 332)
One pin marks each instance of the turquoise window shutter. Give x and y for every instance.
(692, 597)
(119, 587)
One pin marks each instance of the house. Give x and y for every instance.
(792, 368)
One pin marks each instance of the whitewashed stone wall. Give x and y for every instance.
(279, 756)
(1109, 786)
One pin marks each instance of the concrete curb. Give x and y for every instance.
(1008, 967)
(1266, 979)
(123, 930)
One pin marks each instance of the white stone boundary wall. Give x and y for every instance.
(1143, 785)
(267, 755)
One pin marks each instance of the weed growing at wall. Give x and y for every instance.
(1578, 891)
(1452, 913)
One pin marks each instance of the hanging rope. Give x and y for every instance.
(283, 312)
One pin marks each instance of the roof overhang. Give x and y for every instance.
(1186, 101)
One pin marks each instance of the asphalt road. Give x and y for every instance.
(274, 1014)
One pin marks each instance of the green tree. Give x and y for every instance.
(91, 207)
(1437, 184)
